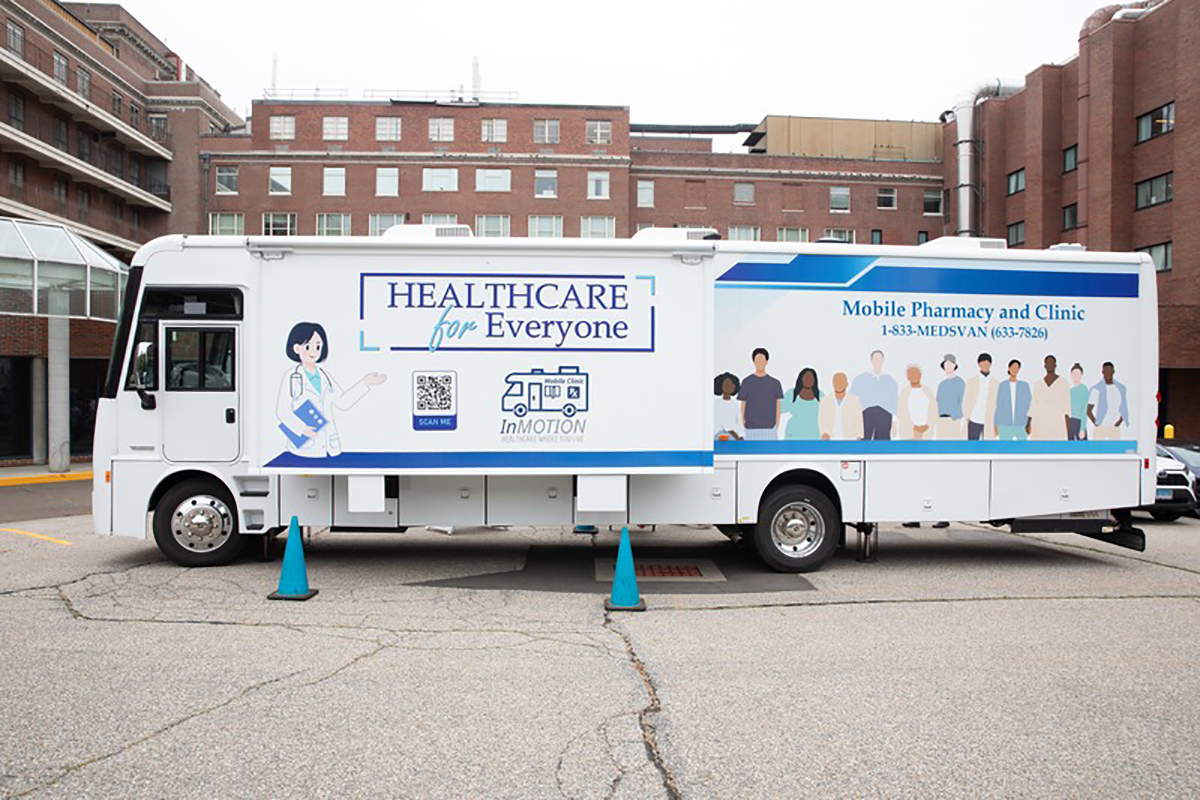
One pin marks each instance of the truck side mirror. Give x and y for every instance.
(143, 374)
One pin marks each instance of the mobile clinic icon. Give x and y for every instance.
(435, 400)
(538, 391)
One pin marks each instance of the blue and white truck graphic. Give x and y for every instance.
(538, 391)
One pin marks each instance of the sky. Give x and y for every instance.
(669, 62)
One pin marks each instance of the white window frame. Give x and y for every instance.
(598, 131)
(482, 222)
(736, 233)
(388, 129)
(886, 192)
(493, 180)
(1162, 254)
(217, 228)
(439, 219)
(376, 226)
(282, 127)
(587, 231)
(744, 193)
(385, 176)
(494, 131)
(782, 234)
(1016, 181)
(62, 68)
(931, 194)
(546, 131)
(842, 234)
(1015, 228)
(535, 226)
(433, 178)
(836, 192)
(598, 180)
(228, 169)
(335, 129)
(645, 193)
(336, 174)
(279, 174)
(292, 222)
(324, 218)
(545, 175)
(441, 129)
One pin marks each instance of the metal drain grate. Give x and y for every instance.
(664, 570)
(667, 571)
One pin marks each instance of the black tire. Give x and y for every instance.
(808, 533)
(185, 523)
(1166, 516)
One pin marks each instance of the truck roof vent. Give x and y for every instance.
(676, 234)
(424, 233)
(964, 243)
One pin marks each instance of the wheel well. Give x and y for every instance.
(805, 477)
(176, 478)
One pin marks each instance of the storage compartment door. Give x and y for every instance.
(1027, 487)
(926, 491)
(684, 499)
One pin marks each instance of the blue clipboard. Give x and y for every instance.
(310, 416)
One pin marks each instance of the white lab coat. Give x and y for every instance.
(295, 389)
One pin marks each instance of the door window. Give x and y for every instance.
(200, 359)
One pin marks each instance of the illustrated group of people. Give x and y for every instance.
(874, 406)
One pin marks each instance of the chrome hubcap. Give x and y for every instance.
(797, 530)
(201, 522)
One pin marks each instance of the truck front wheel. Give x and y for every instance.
(195, 524)
(797, 529)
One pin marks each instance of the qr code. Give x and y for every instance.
(434, 392)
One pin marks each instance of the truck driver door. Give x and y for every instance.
(199, 405)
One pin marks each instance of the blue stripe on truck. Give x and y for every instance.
(500, 460)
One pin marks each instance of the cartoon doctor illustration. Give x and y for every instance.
(308, 394)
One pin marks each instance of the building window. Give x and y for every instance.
(599, 131)
(16, 111)
(135, 218)
(135, 169)
(227, 180)
(597, 227)
(545, 183)
(876, 236)
(61, 69)
(16, 39)
(84, 197)
(83, 81)
(441, 129)
(744, 233)
(545, 227)
(1016, 234)
(922, 237)
(933, 201)
(1071, 217)
(223, 223)
(839, 199)
(333, 224)
(1071, 158)
(16, 173)
(387, 181)
(791, 234)
(279, 223)
(387, 129)
(83, 143)
(280, 180)
(1161, 253)
(491, 225)
(335, 129)
(1156, 190)
(1157, 122)
(493, 180)
(439, 179)
(333, 182)
(117, 103)
(61, 134)
(158, 125)
(1016, 181)
(495, 130)
(545, 131)
(645, 194)
(135, 114)
(597, 186)
(885, 199)
(381, 222)
(743, 194)
(440, 219)
(60, 190)
(840, 234)
(283, 128)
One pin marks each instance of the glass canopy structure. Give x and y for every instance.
(48, 270)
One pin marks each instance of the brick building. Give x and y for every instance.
(99, 125)
(1089, 151)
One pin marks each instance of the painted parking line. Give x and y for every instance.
(36, 536)
(26, 480)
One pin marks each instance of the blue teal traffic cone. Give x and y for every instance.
(293, 578)
(625, 592)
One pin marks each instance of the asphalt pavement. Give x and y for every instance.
(966, 662)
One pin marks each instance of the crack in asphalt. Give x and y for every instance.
(80, 579)
(882, 601)
(71, 769)
(646, 716)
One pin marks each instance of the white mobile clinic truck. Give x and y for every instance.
(779, 391)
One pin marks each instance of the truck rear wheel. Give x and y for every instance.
(798, 529)
(195, 524)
